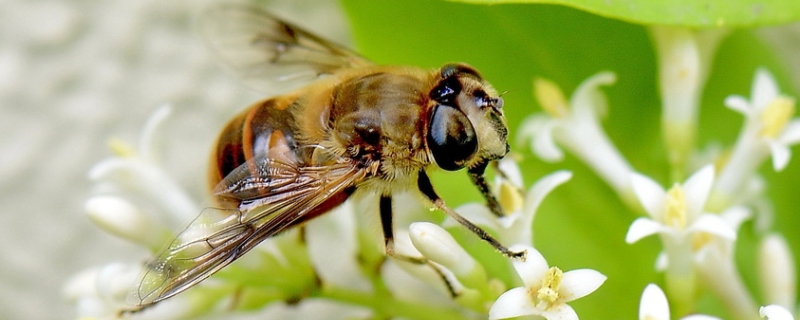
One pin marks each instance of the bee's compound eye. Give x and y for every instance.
(451, 138)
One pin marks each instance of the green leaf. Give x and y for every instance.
(687, 13)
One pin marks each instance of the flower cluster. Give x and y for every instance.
(697, 220)
(334, 268)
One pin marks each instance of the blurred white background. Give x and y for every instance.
(72, 75)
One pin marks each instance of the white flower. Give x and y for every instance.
(136, 171)
(516, 226)
(546, 290)
(777, 271)
(678, 213)
(769, 129)
(122, 219)
(654, 306)
(775, 312)
(769, 115)
(576, 127)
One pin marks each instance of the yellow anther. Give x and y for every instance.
(510, 197)
(676, 207)
(550, 284)
(549, 95)
(700, 240)
(121, 148)
(775, 116)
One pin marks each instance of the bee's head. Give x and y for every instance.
(466, 126)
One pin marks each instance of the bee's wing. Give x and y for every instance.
(267, 53)
(272, 195)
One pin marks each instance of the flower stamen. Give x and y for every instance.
(550, 97)
(676, 207)
(776, 115)
(548, 293)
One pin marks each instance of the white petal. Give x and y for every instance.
(333, 248)
(780, 155)
(560, 312)
(533, 269)
(538, 128)
(533, 199)
(734, 216)
(650, 194)
(513, 303)
(764, 90)
(121, 218)
(697, 188)
(738, 103)
(653, 304)
(544, 144)
(439, 246)
(510, 169)
(713, 224)
(775, 312)
(642, 227)
(147, 139)
(588, 95)
(791, 133)
(777, 271)
(543, 187)
(662, 261)
(579, 283)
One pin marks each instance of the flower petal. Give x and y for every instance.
(764, 90)
(440, 247)
(713, 224)
(653, 305)
(522, 232)
(147, 139)
(588, 95)
(780, 155)
(650, 194)
(791, 133)
(544, 144)
(739, 104)
(560, 312)
(533, 269)
(578, 283)
(775, 312)
(513, 303)
(642, 227)
(697, 188)
(510, 169)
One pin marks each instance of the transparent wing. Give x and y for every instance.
(268, 54)
(265, 196)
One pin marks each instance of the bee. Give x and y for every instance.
(347, 125)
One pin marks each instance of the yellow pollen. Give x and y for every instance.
(121, 148)
(700, 239)
(676, 207)
(549, 95)
(775, 116)
(550, 284)
(510, 197)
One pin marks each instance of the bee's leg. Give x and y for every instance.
(476, 174)
(426, 188)
(388, 238)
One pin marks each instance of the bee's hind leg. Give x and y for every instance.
(388, 237)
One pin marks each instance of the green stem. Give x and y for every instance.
(389, 306)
